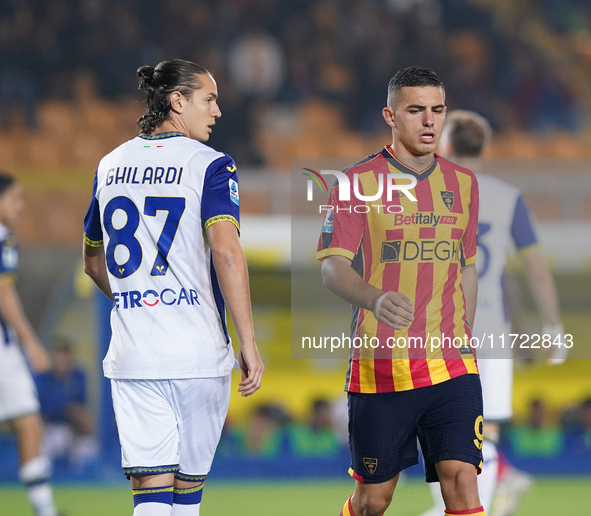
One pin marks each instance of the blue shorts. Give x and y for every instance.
(383, 429)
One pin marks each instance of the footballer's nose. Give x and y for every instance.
(428, 119)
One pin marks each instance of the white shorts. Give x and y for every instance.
(170, 425)
(18, 395)
(496, 376)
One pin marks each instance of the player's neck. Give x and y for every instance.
(406, 157)
(169, 126)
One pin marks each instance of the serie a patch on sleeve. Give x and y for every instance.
(234, 196)
(328, 221)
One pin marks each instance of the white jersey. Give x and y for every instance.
(154, 197)
(504, 221)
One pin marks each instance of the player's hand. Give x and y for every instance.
(252, 369)
(394, 310)
(39, 358)
(558, 352)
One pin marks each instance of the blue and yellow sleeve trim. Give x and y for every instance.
(7, 277)
(222, 218)
(529, 249)
(93, 243)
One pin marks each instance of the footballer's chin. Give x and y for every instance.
(423, 149)
(427, 146)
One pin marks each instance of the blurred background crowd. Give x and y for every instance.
(526, 66)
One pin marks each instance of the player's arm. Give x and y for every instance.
(96, 267)
(220, 213)
(230, 265)
(470, 288)
(93, 251)
(469, 280)
(543, 289)
(513, 302)
(13, 313)
(539, 277)
(392, 308)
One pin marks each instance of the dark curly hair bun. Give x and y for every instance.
(160, 82)
(146, 76)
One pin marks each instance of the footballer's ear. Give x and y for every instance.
(177, 101)
(388, 114)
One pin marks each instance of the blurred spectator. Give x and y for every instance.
(257, 65)
(538, 437)
(265, 434)
(62, 395)
(317, 438)
(578, 427)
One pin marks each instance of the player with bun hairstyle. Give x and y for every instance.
(18, 397)
(161, 241)
(160, 82)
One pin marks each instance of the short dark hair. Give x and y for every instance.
(6, 181)
(469, 133)
(159, 82)
(412, 76)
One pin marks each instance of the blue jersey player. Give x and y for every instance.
(161, 241)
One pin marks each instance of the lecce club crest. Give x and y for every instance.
(370, 464)
(448, 198)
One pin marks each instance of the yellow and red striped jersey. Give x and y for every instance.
(417, 248)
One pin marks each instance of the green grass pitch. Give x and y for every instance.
(549, 497)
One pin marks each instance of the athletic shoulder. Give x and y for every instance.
(204, 156)
(363, 165)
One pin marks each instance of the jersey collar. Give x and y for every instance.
(396, 163)
(161, 136)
